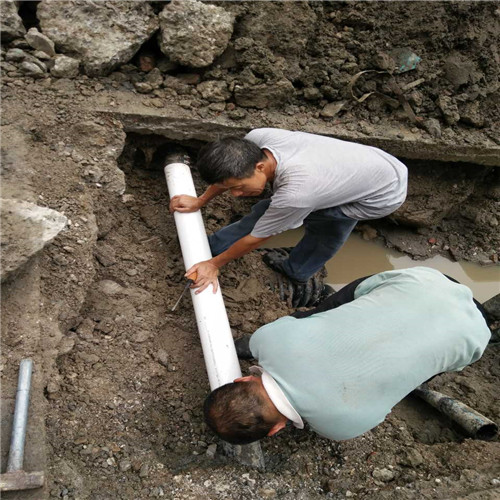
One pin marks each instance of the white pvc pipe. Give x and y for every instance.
(213, 326)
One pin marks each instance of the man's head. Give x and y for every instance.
(236, 164)
(241, 412)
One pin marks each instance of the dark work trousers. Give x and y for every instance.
(346, 294)
(325, 232)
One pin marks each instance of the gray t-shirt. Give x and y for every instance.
(315, 172)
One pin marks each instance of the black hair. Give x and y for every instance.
(237, 413)
(228, 158)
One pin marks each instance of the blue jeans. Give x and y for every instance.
(325, 232)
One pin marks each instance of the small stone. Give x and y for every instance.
(141, 337)
(211, 450)
(162, 357)
(332, 109)
(217, 106)
(312, 94)
(43, 56)
(66, 345)
(105, 254)
(157, 103)
(65, 67)
(143, 87)
(154, 78)
(86, 327)
(124, 465)
(53, 387)
(132, 272)
(39, 41)
(369, 233)
(144, 471)
(90, 359)
(237, 114)
(349, 494)
(411, 458)
(384, 475)
(31, 69)
(433, 127)
(267, 492)
(214, 90)
(15, 55)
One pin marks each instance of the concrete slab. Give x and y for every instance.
(411, 146)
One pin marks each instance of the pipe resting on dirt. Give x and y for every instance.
(213, 325)
(215, 333)
(472, 422)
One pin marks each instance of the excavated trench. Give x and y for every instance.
(446, 192)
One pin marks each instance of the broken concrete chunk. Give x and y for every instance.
(103, 35)
(65, 67)
(26, 229)
(39, 41)
(194, 33)
(11, 24)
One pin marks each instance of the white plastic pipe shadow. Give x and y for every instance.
(213, 326)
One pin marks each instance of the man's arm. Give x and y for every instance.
(208, 270)
(185, 203)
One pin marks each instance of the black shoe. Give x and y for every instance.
(243, 348)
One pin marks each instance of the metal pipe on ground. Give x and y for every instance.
(474, 424)
(16, 478)
(213, 325)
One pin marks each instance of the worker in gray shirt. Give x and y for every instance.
(325, 184)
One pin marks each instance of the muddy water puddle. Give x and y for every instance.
(359, 258)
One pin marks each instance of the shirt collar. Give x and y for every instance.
(278, 397)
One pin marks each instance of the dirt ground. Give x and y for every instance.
(119, 379)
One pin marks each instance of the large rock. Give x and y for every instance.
(26, 229)
(103, 35)
(11, 25)
(194, 33)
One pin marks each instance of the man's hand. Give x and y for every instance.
(207, 273)
(184, 203)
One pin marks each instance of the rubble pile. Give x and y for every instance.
(328, 59)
